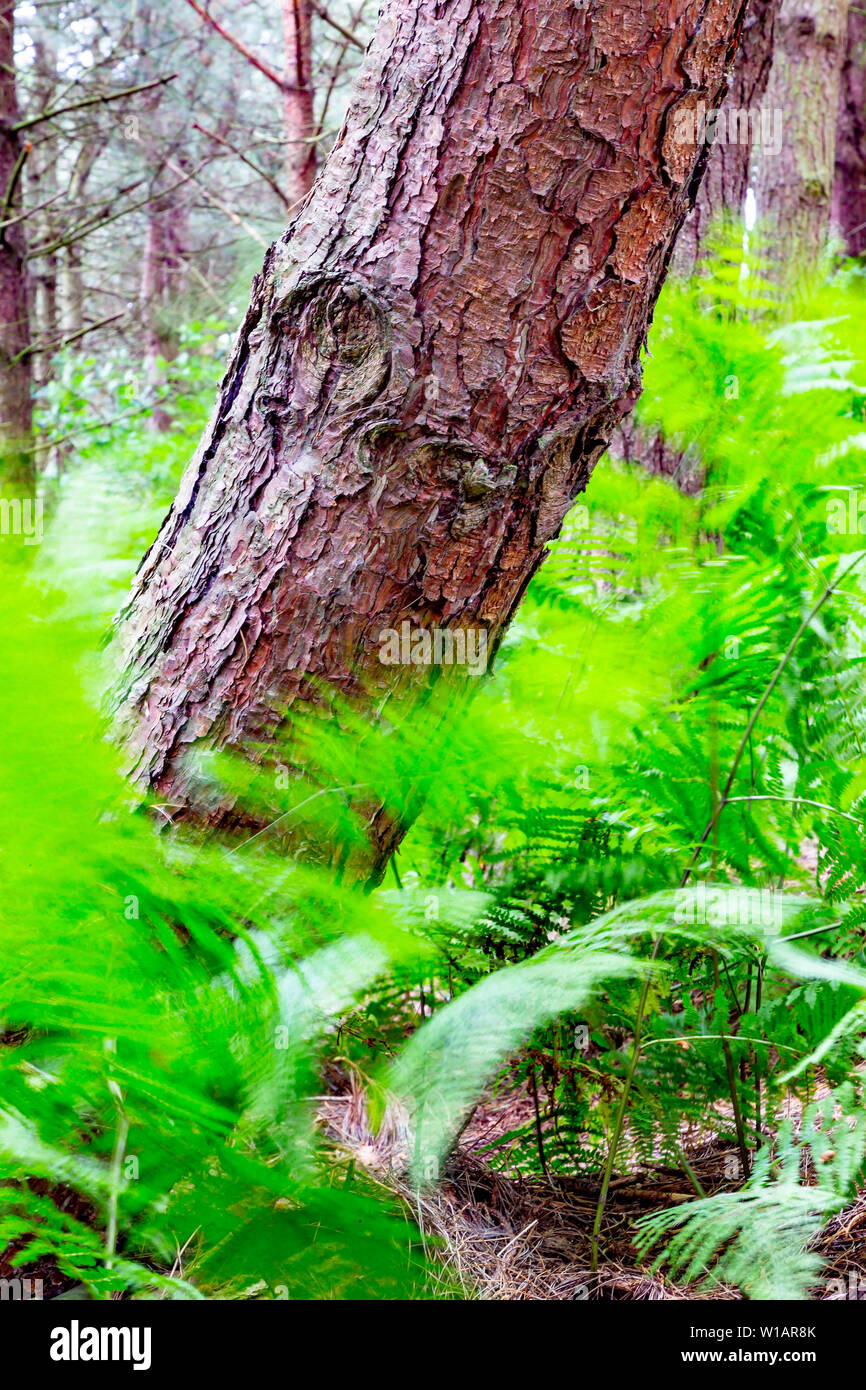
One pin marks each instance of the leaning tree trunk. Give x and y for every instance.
(793, 187)
(430, 367)
(849, 189)
(17, 472)
(744, 123)
(298, 99)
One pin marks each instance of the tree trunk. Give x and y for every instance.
(849, 188)
(160, 260)
(42, 186)
(724, 186)
(157, 348)
(72, 273)
(17, 471)
(431, 364)
(298, 99)
(794, 186)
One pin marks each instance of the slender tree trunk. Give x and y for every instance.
(17, 471)
(794, 185)
(72, 290)
(41, 174)
(298, 99)
(723, 190)
(158, 349)
(849, 188)
(71, 272)
(431, 364)
(159, 252)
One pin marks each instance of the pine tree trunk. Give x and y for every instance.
(794, 186)
(298, 99)
(17, 470)
(430, 366)
(849, 189)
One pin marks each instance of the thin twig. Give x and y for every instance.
(102, 99)
(272, 183)
(237, 43)
(328, 19)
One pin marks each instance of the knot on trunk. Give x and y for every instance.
(340, 339)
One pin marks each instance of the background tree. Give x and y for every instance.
(145, 131)
(298, 97)
(793, 188)
(849, 187)
(722, 192)
(17, 468)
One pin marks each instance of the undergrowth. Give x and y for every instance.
(636, 882)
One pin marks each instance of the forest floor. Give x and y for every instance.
(504, 1237)
(514, 1237)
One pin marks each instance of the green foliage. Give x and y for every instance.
(162, 1007)
(758, 1238)
(655, 803)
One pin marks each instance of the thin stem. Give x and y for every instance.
(644, 995)
(759, 707)
(732, 1082)
(115, 1173)
(539, 1137)
(758, 983)
(103, 99)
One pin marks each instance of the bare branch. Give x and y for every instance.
(85, 228)
(240, 154)
(328, 19)
(238, 44)
(14, 180)
(218, 203)
(57, 343)
(102, 99)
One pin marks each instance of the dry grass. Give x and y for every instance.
(506, 1237)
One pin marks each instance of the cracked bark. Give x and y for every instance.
(432, 361)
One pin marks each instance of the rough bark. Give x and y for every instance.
(793, 188)
(17, 473)
(726, 181)
(298, 99)
(433, 358)
(849, 188)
